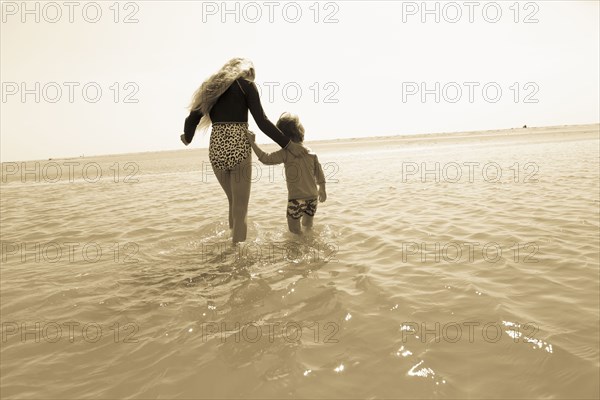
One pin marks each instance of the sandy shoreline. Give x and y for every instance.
(534, 134)
(129, 167)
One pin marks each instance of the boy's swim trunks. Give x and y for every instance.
(296, 208)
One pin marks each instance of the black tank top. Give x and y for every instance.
(233, 106)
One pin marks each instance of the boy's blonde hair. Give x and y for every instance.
(291, 127)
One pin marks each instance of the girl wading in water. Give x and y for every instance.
(223, 100)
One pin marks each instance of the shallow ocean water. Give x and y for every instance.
(483, 285)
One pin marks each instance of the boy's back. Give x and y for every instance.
(302, 173)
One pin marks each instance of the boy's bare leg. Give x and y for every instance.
(294, 225)
(307, 221)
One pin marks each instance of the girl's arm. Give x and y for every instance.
(189, 127)
(253, 100)
(255, 107)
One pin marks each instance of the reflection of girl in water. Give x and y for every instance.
(224, 100)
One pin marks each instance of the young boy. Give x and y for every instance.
(303, 174)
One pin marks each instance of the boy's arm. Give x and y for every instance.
(320, 180)
(269, 158)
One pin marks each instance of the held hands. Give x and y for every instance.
(251, 136)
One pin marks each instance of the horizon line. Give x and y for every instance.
(415, 135)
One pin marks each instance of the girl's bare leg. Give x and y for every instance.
(224, 178)
(240, 184)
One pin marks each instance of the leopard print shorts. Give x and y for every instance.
(229, 145)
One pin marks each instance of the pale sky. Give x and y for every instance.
(368, 57)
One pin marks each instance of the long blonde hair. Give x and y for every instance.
(211, 89)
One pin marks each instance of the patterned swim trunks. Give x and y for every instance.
(296, 208)
(229, 145)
